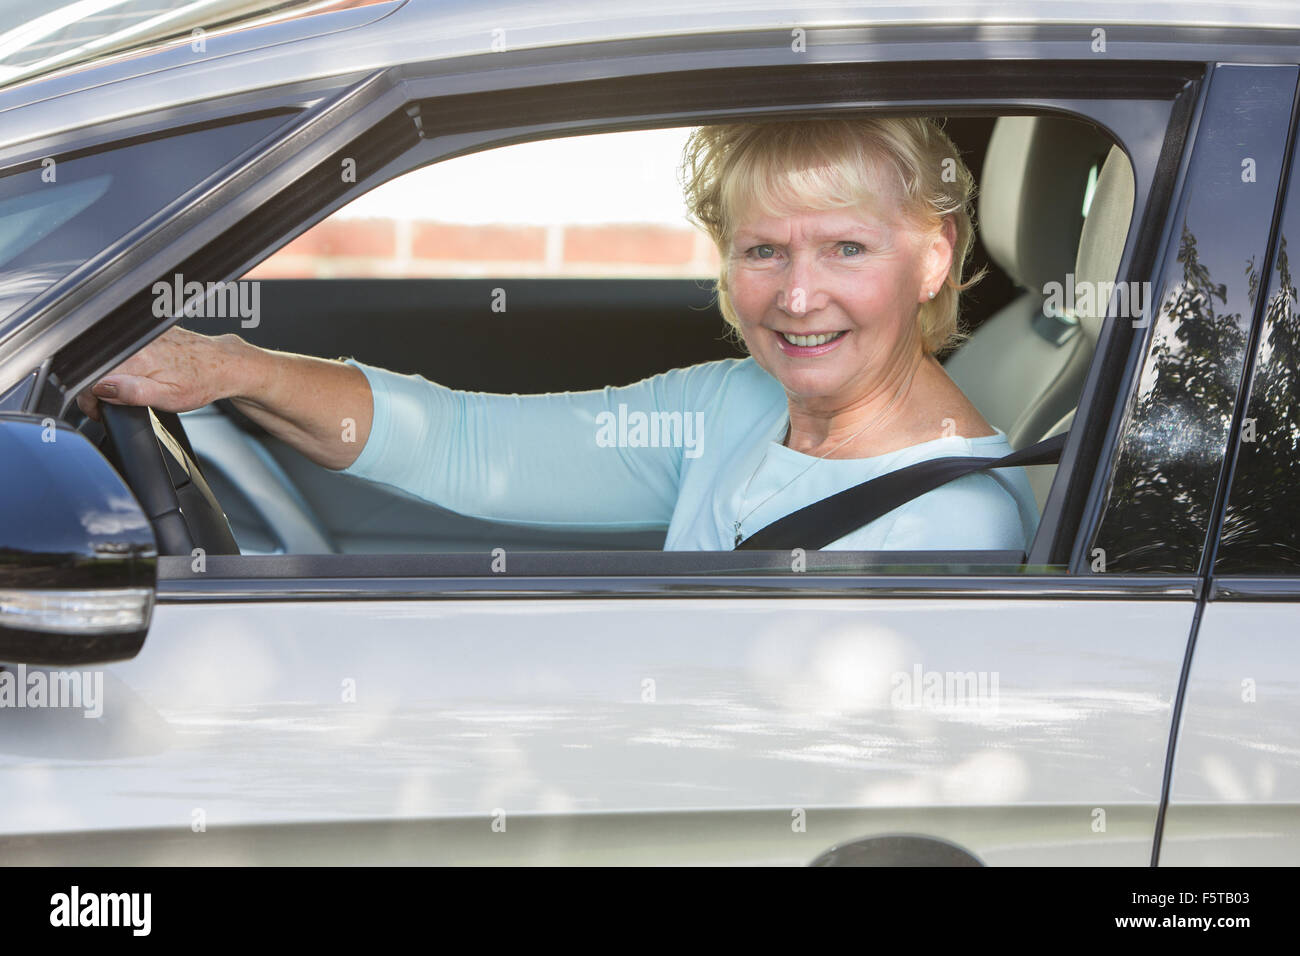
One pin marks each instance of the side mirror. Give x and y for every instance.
(78, 560)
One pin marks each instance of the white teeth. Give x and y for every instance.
(807, 340)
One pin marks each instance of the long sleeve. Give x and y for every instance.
(567, 459)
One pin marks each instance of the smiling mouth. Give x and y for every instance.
(806, 341)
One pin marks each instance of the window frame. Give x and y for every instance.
(1123, 98)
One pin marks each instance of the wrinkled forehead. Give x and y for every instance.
(766, 186)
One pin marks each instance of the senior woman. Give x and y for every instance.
(842, 244)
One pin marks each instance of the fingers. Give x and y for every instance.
(88, 404)
(119, 389)
(168, 374)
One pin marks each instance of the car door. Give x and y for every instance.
(498, 707)
(1235, 793)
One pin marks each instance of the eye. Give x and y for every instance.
(761, 252)
(852, 249)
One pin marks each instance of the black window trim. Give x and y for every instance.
(467, 575)
(1253, 588)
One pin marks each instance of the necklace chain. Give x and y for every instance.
(820, 458)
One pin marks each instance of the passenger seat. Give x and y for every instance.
(1100, 249)
(1024, 368)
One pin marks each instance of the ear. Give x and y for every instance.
(938, 252)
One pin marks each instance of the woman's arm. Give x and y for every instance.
(567, 459)
(306, 402)
(606, 459)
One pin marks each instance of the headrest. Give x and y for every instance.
(1031, 195)
(1104, 233)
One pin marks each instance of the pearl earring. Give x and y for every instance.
(932, 295)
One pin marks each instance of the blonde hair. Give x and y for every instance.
(778, 167)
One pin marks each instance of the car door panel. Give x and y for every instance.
(690, 730)
(1235, 795)
(1235, 783)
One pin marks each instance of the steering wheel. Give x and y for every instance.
(171, 489)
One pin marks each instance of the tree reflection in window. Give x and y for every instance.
(1261, 531)
(1162, 491)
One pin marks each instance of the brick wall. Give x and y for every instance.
(396, 248)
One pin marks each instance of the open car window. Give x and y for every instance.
(471, 274)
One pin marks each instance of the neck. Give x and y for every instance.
(837, 431)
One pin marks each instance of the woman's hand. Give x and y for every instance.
(320, 408)
(176, 372)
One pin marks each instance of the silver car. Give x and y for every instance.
(218, 652)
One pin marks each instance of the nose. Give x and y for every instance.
(800, 288)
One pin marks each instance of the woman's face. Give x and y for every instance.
(846, 285)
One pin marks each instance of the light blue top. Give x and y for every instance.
(675, 450)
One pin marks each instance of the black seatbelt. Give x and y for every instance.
(817, 525)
